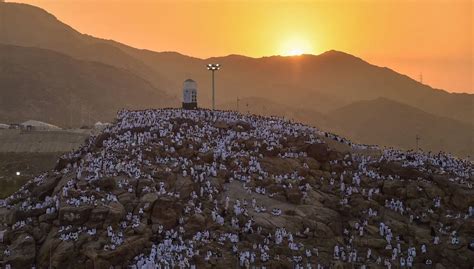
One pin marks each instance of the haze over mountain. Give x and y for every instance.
(397, 124)
(301, 87)
(53, 87)
(265, 107)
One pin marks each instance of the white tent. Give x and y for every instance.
(39, 125)
(101, 125)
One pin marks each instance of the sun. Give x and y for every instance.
(294, 52)
(295, 46)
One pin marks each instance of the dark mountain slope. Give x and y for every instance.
(46, 85)
(317, 82)
(387, 122)
(302, 85)
(30, 26)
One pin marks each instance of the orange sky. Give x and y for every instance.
(432, 37)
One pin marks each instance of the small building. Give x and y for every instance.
(101, 125)
(189, 94)
(33, 125)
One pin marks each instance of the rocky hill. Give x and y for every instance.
(202, 189)
(30, 26)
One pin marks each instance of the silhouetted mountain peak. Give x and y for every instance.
(308, 83)
(335, 55)
(32, 15)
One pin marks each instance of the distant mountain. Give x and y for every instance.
(317, 82)
(264, 107)
(30, 26)
(387, 122)
(308, 88)
(46, 85)
(379, 121)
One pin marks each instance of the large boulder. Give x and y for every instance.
(319, 152)
(45, 188)
(122, 254)
(7, 216)
(396, 168)
(462, 198)
(221, 124)
(63, 255)
(293, 196)
(184, 186)
(329, 217)
(195, 223)
(74, 215)
(241, 126)
(22, 252)
(116, 212)
(48, 217)
(166, 211)
(279, 166)
(107, 183)
(394, 188)
(126, 198)
(432, 190)
(147, 201)
(98, 215)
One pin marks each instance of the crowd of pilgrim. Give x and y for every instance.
(231, 145)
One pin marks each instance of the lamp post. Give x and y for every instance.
(213, 68)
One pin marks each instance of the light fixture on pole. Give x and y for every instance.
(213, 68)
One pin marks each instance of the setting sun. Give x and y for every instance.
(295, 47)
(184, 133)
(442, 53)
(293, 52)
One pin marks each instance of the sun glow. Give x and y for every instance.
(295, 47)
(294, 52)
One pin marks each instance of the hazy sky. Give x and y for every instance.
(432, 37)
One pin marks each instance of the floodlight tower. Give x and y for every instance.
(213, 68)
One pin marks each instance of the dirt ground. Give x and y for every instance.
(28, 164)
(41, 141)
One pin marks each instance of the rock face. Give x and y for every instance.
(166, 212)
(23, 251)
(219, 189)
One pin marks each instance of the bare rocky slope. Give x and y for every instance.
(202, 189)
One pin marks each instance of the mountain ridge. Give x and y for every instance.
(320, 83)
(67, 87)
(399, 124)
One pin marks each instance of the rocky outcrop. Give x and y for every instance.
(70, 215)
(166, 212)
(207, 191)
(22, 251)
